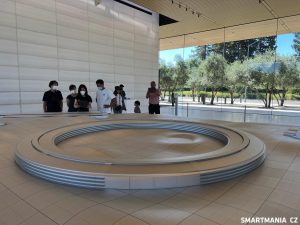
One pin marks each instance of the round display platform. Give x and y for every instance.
(140, 152)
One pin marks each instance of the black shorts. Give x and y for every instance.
(154, 108)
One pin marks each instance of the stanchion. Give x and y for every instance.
(187, 110)
(1, 121)
(245, 114)
(176, 105)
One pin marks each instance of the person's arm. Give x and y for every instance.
(90, 102)
(45, 106)
(76, 104)
(148, 94)
(68, 102)
(61, 104)
(158, 92)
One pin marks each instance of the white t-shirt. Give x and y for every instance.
(104, 97)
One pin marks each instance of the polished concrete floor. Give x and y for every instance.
(273, 190)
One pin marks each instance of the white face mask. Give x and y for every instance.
(82, 92)
(72, 92)
(54, 87)
(100, 88)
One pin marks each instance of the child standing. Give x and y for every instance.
(137, 107)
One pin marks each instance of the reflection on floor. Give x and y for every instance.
(271, 190)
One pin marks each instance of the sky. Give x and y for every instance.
(284, 47)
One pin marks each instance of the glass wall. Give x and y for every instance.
(245, 73)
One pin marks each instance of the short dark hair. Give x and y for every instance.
(137, 103)
(82, 86)
(72, 87)
(52, 82)
(100, 81)
(121, 85)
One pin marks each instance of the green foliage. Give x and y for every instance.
(296, 45)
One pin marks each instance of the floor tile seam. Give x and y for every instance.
(195, 214)
(268, 197)
(28, 196)
(159, 204)
(283, 205)
(103, 201)
(228, 205)
(260, 185)
(38, 211)
(173, 195)
(132, 216)
(76, 214)
(150, 205)
(230, 188)
(280, 189)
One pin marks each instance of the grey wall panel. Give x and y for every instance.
(72, 76)
(73, 54)
(29, 73)
(73, 65)
(8, 33)
(71, 22)
(32, 108)
(34, 85)
(30, 97)
(8, 59)
(9, 72)
(8, 46)
(48, 5)
(9, 109)
(9, 86)
(7, 19)
(7, 6)
(37, 50)
(36, 25)
(37, 62)
(35, 12)
(37, 38)
(9, 98)
(74, 42)
(71, 11)
(101, 68)
(72, 33)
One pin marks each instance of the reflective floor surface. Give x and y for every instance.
(271, 190)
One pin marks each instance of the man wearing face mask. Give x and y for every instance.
(52, 99)
(103, 97)
(71, 98)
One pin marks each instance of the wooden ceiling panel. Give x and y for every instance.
(243, 19)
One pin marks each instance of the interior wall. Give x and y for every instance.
(73, 41)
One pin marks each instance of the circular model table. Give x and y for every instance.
(140, 152)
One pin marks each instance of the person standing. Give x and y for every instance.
(123, 94)
(71, 98)
(153, 94)
(83, 101)
(137, 107)
(52, 99)
(117, 101)
(103, 97)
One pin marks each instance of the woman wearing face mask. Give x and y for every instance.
(52, 99)
(83, 102)
(71, 98)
